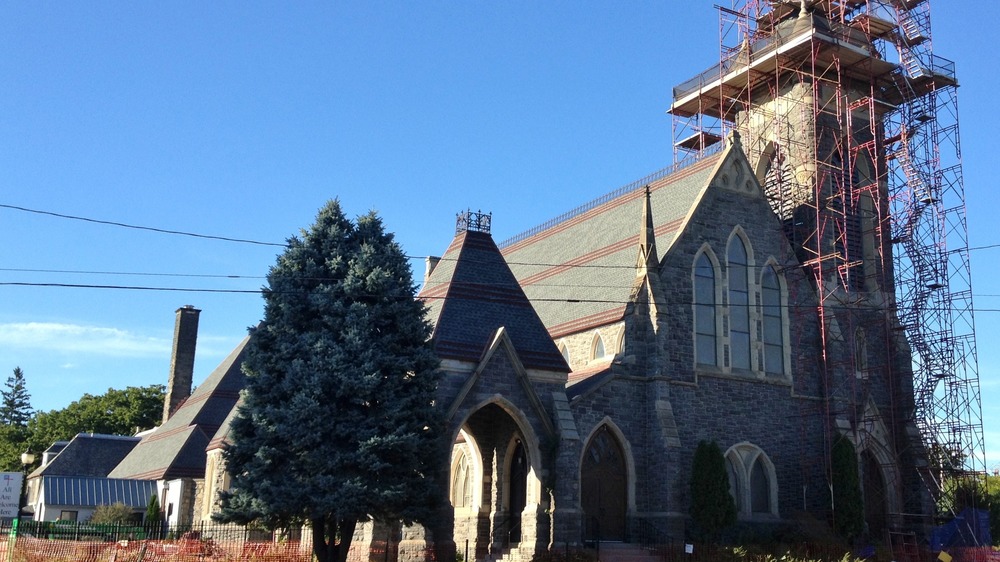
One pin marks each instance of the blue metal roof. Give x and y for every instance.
(84, 491)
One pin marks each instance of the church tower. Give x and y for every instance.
(846, 115)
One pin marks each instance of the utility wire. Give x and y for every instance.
(427, 298)
(230, 239)
(131, 273)
(137, 227)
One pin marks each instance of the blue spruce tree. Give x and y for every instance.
(337, 423)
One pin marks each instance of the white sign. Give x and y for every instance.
(10, 493)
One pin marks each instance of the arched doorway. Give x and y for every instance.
(495, 490)
(604, 492)
(875, 495)
(518, 486)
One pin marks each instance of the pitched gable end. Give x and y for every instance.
(501, 348)
(733, 172)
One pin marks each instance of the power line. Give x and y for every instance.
(428, 298)
(138, 227)
(283, 245)
(125, 287)
(131, 273)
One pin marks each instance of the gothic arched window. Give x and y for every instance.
(755, 489)
(461, 483)
(598, 352)
(760, 488)
(774, 331)
(564, 350)
(739, 305)
(704, 312)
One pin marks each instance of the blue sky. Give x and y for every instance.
(240, 119)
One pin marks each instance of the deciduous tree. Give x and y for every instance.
(337, 421)
(116, 412)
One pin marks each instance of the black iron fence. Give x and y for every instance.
(70, 541)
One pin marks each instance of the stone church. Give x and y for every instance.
(584, 363)
(587, 358)
(584, 360)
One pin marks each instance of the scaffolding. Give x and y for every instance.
(859, 156)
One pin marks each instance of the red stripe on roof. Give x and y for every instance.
(587, 322)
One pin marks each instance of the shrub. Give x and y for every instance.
(712, 507)
(848, 507)
(114, 513)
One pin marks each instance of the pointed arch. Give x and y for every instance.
(531, 439)
(507, 490)
(564, 351)
(774, 319)
(466, 473)
(777, 178)
(765, 162)
(705, 276)
(597, 349)
(607, 482)
(756, 489)
(517, 492)
(860, 353)
(872, 438)
(739, 263)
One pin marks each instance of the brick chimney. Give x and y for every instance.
(182, 359)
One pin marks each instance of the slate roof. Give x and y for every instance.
(471, 293)
(578, 272)
(221, 437)
(88, 454)
(176, 449)
(92, 492)
(582, 380)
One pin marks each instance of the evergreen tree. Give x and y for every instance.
(337, 421)
(15, 408)
(848, 505)
(153, 509)
(712, 506)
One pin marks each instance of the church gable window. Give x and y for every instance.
(773, 328)
(705, 312)
(739, 305)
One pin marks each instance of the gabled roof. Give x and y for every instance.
(88, 454)
(177, 448)
(578, 272)
(92, 492)
(471, 293)
(221, 437)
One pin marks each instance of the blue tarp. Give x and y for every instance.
(970, 528)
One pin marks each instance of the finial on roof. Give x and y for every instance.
(803, 9)
(477, 221)
(734, 139)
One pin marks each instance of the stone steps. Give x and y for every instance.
(625, 552)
